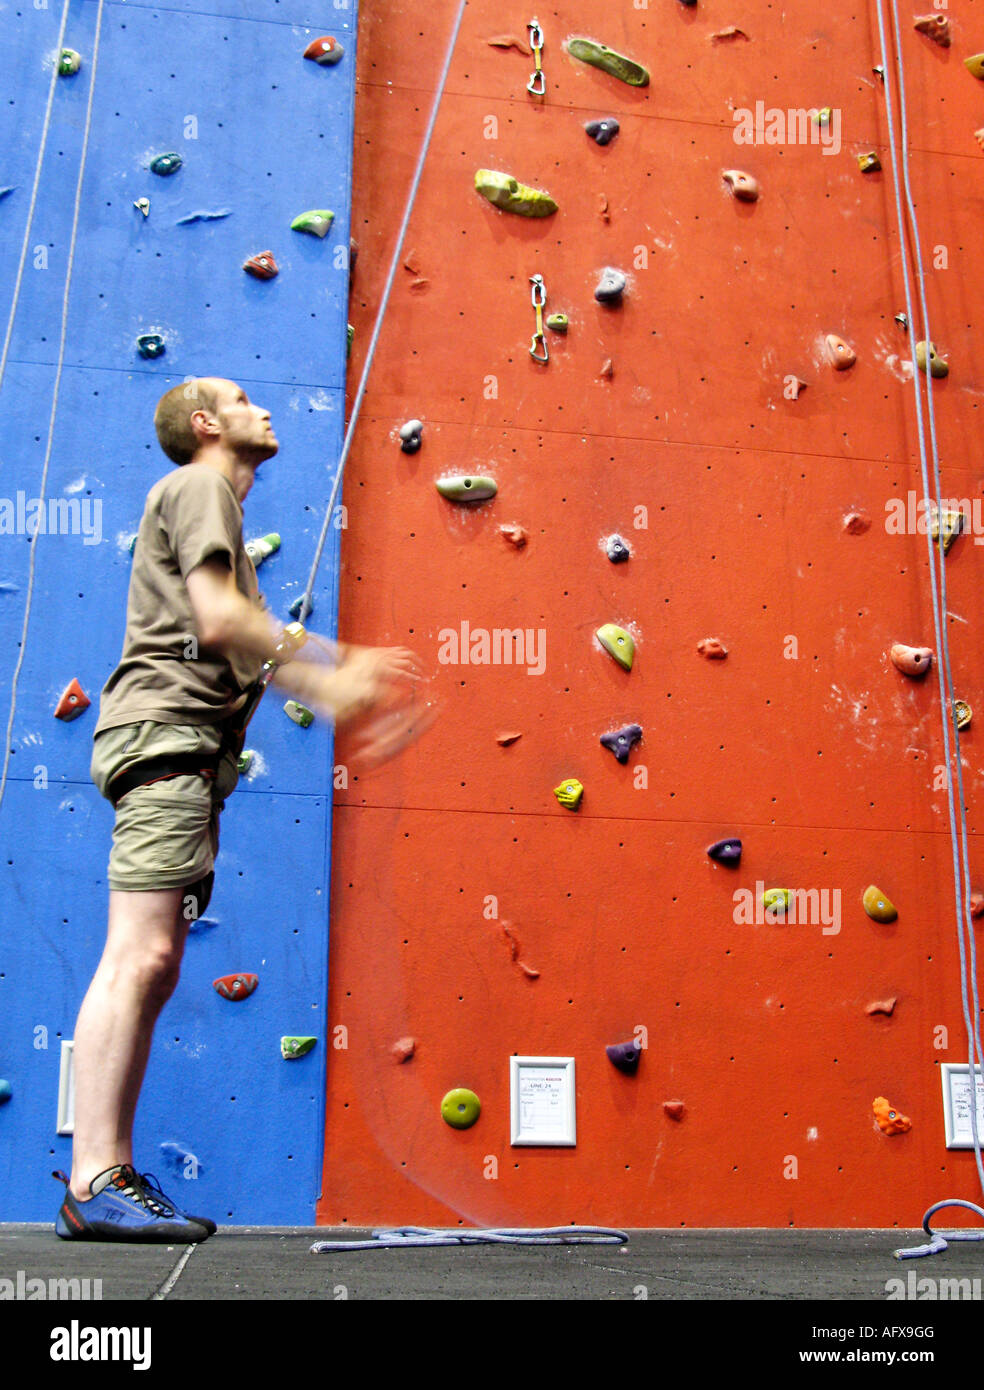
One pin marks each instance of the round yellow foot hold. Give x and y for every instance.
(461, 1108)
(775, 899)
(877, 905)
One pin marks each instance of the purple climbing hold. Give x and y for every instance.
(617, 550)
(622, 741)
(625, 1055)
(725, 851)
(602, 132)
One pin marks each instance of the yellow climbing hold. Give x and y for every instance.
(975, 65)
(775, 899)
(618, 643)
(569, 793)
(512, 196)
(877, 905)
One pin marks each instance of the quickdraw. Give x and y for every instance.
(537, 83)
(539, 296)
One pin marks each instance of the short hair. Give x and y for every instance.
(172, 418)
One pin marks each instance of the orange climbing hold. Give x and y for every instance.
(74, 701)
(882, 1006)
(890, 1121)
(712, 649)
(841, 355)
(403, 1049)
(937, 26)
(912, 661)
(674, 1108)
(878, 907)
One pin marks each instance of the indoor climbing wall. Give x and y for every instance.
(741, 417)
(148, 187)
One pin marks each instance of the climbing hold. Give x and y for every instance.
(505, 739)
(616, 550)
(975, 65)
(610, 287)
(823, 116)
(615, 64)
(977, 904)
(607, 369)
(622, 741)
(949, 525)
(74, 701)
(6, 1091)
(776, 899)
(261, 549)
(926, 353)
(459, 488)
(890, 1121)
(602, 132)
(143, 205)
(317, 222)
(190, 217)
(510, 195)
(165, 164)
(912, 661)
(882, 1006)
(674, 1108)
(743, 186)
(879, 72)
(691, 3)
(878, 907)
(295, 1047)
(299, 713)
(410, 436)
(515, 535)
(326, 51)
(840, 354)
(732, 32)
(603, 212)
(937, 26)
(528, 970)
(131, 544)
(511, 41)
(618, 643)
(856, 523)
(869, 163)
(262, 266)
(69, 62)
(245, 761)
(725, 851)
(235, 987)
(569, 793)
(978, 136)
(963, 713)
(297, 605)
(796, 387)
(461, 1108)
(558, 323)
(150, 345)
(7, 190)
(903, 322)
(350, 339)
(625, 1055)
(712, 649)
(403, 1049)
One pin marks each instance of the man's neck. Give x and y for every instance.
(238, 472)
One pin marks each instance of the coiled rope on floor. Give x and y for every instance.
(401, 1237)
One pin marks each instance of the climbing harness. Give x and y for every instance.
(961, 867)
(403, 1236)
(537, 83)
(539, 296)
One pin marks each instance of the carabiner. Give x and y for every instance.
(538, 296)
(537, 83)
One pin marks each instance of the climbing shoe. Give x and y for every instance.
(121, 1209)
(148, 1181)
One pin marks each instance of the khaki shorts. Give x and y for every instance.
(166, 834)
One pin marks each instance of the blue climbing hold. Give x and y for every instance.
(6, 1091)
(203, 217)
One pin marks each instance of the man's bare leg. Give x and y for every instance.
(135, 978)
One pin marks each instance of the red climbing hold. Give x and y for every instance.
(73, 702)
(235, 987)
(403, 1049)
(325, 50)
(712, 649)
(674, 1108)
(263, 266)
(882, 1006)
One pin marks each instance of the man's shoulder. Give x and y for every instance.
(197, 478)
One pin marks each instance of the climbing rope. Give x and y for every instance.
(357, 405)
(22, 646)
(403, 1236)
(957, 814)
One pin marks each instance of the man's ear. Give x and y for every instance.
(203, 423)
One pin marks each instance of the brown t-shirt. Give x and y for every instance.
(189, 515)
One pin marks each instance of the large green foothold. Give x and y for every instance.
(926, 355)
(510, 195)
(299, 713)
(461, 1108)
(558, 323)
(317, 222)
(618, 643)
(69, 62)
(775, 899)
(245, 761)
(261, 549)
(295, 1047)
(616, 64)
(467, 489)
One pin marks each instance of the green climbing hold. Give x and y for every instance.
(299, 713)
(150, 345)
(558, 323)
(569, 793)
(69, 62)
(165, 164)
(775, 899)
(466, 489)
(510, 195)
(616, 64)
(618, 643)
(262, 549)
(461, 1108)
(318, 222)
(245, 761)
(926, 354)
(295, 1047)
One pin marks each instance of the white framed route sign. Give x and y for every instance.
(542, 1101)
(956, 1105)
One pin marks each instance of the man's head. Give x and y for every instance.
(209, 416)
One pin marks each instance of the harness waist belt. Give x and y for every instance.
(160, 769)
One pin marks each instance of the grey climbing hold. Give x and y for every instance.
(262, 548)
(622, 741)
(299, 713)
(725, 851)
(165, 164)
(410, 436)
(625, 1056)
(903, 321)
(610, 287)
(616, 550)
(150, 345)
(202, 217)
(602, 132)
(143, 205)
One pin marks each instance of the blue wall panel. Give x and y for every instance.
(272, 137)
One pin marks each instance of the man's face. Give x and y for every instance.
(245, 427)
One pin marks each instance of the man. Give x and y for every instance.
(165, 750)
